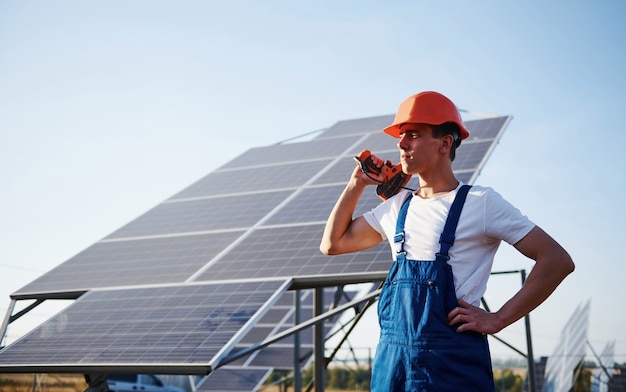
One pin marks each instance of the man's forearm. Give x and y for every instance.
(340, 218)
(541, 283)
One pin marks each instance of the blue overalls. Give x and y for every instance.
(418, 350)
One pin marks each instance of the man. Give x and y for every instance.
(444, 237)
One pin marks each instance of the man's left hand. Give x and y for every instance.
(473, 318)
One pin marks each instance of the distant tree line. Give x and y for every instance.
(506, 378)
(358, 379)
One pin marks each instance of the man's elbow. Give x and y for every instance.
(327, 248)
(562, 263)
(333, 246)
(568, 264)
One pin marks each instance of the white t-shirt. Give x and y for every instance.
(485, 221)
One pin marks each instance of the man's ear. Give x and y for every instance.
(446, 143)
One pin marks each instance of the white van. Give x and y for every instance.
(139, 383)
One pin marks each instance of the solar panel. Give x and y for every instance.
(180, 327)
(569, 352)
(257, 219)
(265, 183)
(234, 379)
(601, 376)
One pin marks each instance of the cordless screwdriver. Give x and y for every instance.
(394, 178)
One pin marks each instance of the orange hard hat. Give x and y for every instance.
(427, 107)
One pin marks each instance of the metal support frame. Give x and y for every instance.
(355, 321)
(297, 371)
(6, 321)
(9, 317)
(602, 366)
(296, 328)
(532, 385)
(96, 383)
(359, 312)
(318, 323)
(530, 358)
(318, 341)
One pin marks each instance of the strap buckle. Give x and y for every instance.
(398, 242)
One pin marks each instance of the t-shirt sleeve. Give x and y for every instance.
(504, 221)
(385, 215)
(375, 223)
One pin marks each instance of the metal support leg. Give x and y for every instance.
(530, 358)
(529, 350)
(96, 383)
(6, 321)
(318, 341)
(297, 371)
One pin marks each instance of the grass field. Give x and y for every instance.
(42, 383)
(64, 383)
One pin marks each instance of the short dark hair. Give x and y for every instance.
(448, 128)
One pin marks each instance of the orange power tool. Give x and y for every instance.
(394, 178)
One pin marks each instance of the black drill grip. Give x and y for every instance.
(365, 161)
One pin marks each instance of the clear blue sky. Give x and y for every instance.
(109, 107)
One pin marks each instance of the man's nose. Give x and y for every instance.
(402, 142)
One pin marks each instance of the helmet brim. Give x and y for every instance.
(394, 130)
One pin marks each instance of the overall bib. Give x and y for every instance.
(418, 350)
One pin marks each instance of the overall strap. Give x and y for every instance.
(447, 237)
(398, 239)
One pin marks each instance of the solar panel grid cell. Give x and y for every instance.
(488, 128)
(357, 127)
(256, 178)
(238, 211)
(123, 263)
(464, 177)
(472, 156)
(380, 144)
(313, 205)
(280, 357)
(275, 315)
(340, 172)
(291, 152)
(291, 251)
(233, 379)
